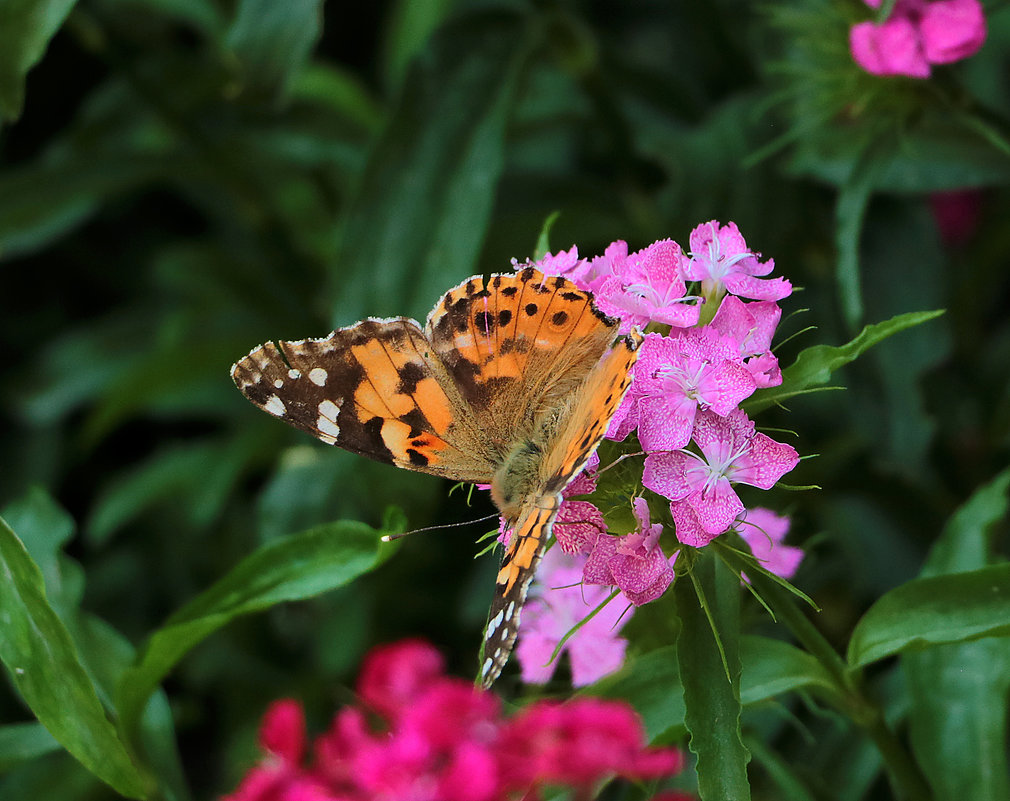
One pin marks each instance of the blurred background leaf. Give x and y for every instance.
(181, 180)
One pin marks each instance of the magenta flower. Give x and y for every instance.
(650, 288)
(558, 602)
(635, 562)
(764, 531)
(952, 30)
(732, 452)
(451, 743)
(751, 326)
(918, 34)
(957, 214)
(893, 48)
(578, 743)
(677, 375)
(565, 263)
(591, 275)
(722, 262)
(625, 419)
(392, 676)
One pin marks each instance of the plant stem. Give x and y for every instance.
(905, 775)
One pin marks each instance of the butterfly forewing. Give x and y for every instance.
(376, 389)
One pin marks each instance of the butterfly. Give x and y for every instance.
(511, 382)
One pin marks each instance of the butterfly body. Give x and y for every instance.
(511, 382)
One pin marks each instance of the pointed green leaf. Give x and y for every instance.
(411, 24)
(933, 611)
(273, 41)
(422, 209)
(20, 742)
(543, 245)
(44, 666)
(958, 715)
(772, 667)
(26, 26)
(298, 567)
(814, 366)
(712, 702)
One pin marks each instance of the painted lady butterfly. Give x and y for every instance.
(510, 383)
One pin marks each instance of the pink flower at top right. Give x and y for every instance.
(918, 34)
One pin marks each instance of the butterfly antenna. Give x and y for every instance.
(620, 459)
(402, 534)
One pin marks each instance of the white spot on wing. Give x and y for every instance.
(328, 427)
(278, 383)
(293, 373)
(511, 608)
(275, 406)
(329, 409)
(487, 666)
(318, 376)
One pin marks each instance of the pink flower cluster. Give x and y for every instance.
(683, 404)
(918, 34)
(420, 735)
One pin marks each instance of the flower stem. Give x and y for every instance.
(905, 775)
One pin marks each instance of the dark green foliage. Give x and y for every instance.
(181, 180)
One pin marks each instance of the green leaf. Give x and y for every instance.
(544, 240)
(44, 527)
(772, 667)
(338, 90)
(42, 201)
(712, 702)
(958, 715)
(853, 198)
(412, 23)
(651, 684)
(273, 42)
(26, 26)
(966, 541)
(932, 611)
(202, 472)
(44, 666)
(424, 202)
(814, 366)
(298, 567)
(20, 742)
